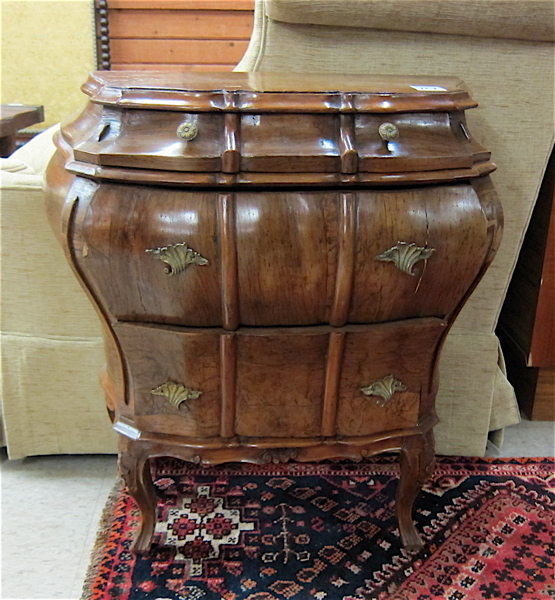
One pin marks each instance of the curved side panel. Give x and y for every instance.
(65, 197)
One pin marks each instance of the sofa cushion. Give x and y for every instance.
(513, 19)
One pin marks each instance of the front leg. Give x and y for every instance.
(134, 468)
(417, 463)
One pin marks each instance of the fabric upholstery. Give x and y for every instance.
(512, 79)
(52, 347)
(520, 20)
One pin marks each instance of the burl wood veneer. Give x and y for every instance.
(276, 261)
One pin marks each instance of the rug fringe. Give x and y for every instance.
(105, 526)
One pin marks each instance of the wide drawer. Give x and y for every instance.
(276, 142)
(279, 383)
(280, 258)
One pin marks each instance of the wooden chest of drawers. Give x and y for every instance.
(276, 261)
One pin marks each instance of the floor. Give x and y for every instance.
(41, 564)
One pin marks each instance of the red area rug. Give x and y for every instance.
(328, 532)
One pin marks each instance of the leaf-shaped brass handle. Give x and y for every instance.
(405, 256)
(176, 393)
(384, 388)
(178, 257)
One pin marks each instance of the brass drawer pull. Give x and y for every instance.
(176, 393)
(405, 256)
(187, 131)
(178, 257)
(384, 388)
(388, 132)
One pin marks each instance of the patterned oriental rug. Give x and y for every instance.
(328, 532)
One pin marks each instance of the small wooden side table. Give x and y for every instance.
(13, 118)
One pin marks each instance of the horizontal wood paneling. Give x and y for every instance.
(181, 24)
(177, 51)
(171, 67)
(183, 4)
(190, 35)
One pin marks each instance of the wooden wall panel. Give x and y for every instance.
(542, 348)
(527, 321)
(177, 52)
(192, 35)
(181, 24)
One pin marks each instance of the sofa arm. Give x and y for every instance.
(26, 166)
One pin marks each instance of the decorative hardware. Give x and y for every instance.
(187, 131)
(176, 393)
(385, 388)
(178, 257)
(405, 256)
(388, 132)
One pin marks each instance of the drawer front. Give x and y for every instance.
(293, 383)
(290, 143)
(144, 252)
(320, 143)
(281, 258)
(385, 372)
(174, 379)
(280, 384)
(411, 142)
(155, 139)
(417, 252)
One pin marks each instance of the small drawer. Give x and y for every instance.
(290, 143)
(151, 139)
(385, 372)
(410, 142)
(174, 379)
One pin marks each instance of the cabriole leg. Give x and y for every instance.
(417, 463)
(134, 468)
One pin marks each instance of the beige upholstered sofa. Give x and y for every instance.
(52, 351)
(504, 51)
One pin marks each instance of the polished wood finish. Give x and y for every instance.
(14, 117)
(275, 281)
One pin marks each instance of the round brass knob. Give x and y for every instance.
(187, 131)
(388, 132)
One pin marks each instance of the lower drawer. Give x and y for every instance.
(279, 383)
